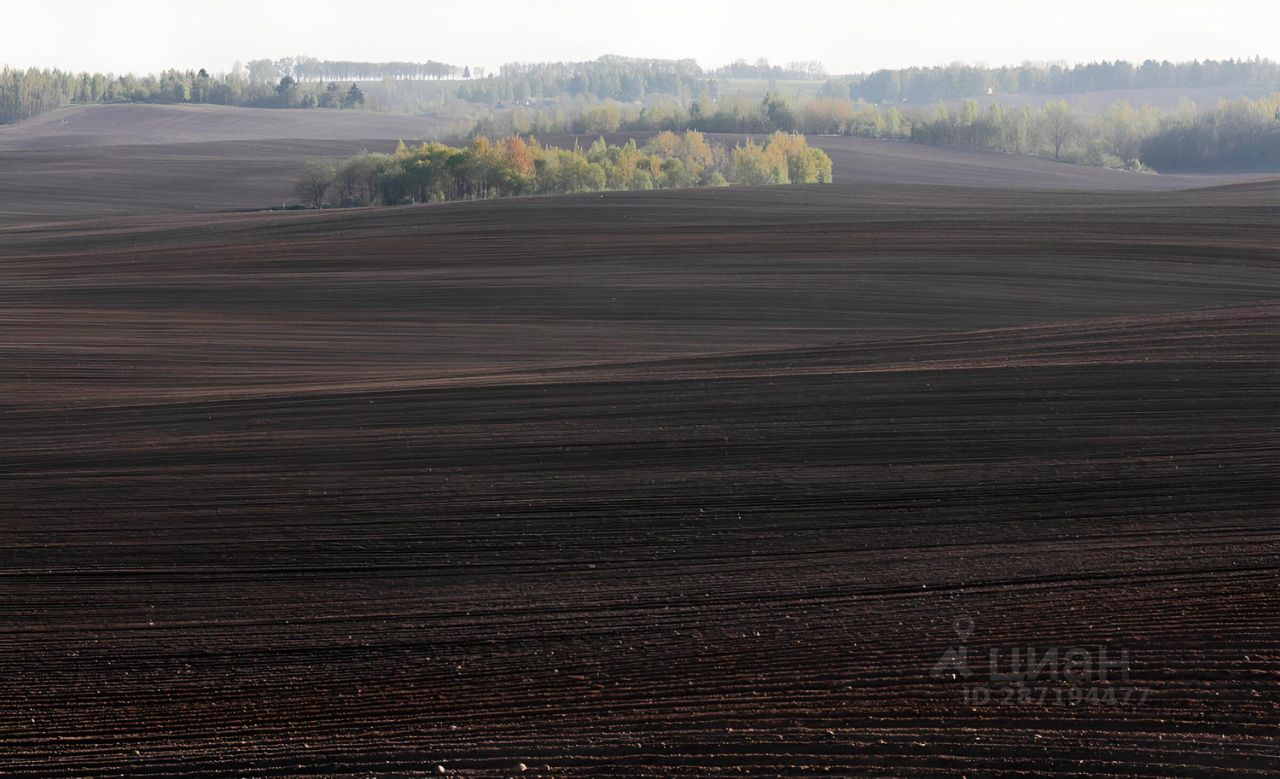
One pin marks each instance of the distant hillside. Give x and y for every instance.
(112, 125)
(140, 159)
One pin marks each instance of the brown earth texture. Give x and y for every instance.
(963, 466)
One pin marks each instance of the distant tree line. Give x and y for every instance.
(610, 77)
(290, 94)
(735, 114)
(623, 79)
(960, 80)
(1110, 139)
(285, 82)
(1241, 133)
(28, 93)
(806, 70)
(436, 172)
(619, 93)
(304, 68)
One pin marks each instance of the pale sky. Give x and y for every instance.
(147, 35)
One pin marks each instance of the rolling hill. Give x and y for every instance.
(120, 160)
(127, 124)
(684, 483)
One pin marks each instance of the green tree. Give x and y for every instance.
(314, 184)
(755, 166)
(777, 113)
(355, 97)
(287, 92)
(331, 97)
(1059, 124)
(357, 178)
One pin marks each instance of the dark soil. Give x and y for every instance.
(673, 484)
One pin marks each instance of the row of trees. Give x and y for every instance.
(960, 80)
(610, 77)
(435, 172)
(622, 79)
(284, 83)
(806, 69)
(735, 114)
(291, 94)
(1241, 134)
(28, 93)
(312, 69)
(1110, 139)
(304, 68)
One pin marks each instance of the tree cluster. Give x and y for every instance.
(1110, 139)
(761, 69)
(1241, 134)
(610, 77)
(1238, 134)
(436, 172)
(28, 93)
(622, 79)
(304, 68)
(735, 114)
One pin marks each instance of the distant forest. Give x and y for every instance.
(625, 79)
(312, 69)
(613, 93)
(262, 83)
(298, 82)
(809, 70)
(959, 81)
(609, 78)
(280, 83)
(1241, 133)
(28, 93)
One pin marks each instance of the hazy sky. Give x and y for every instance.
(146, 36)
